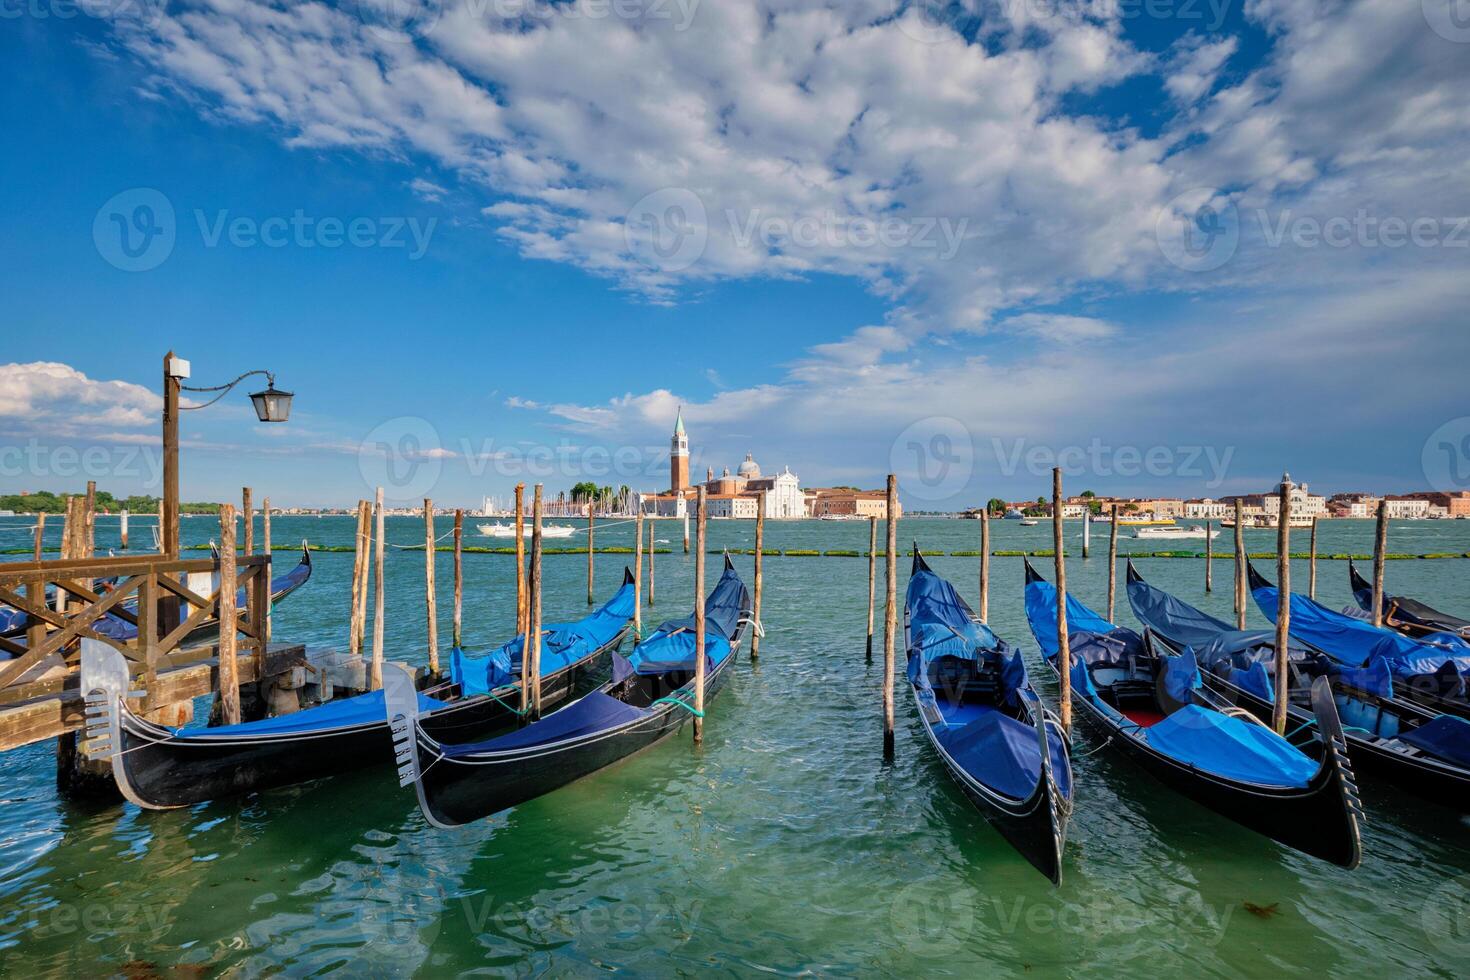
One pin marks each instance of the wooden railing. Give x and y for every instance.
(144, 593)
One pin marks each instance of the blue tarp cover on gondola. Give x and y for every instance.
(1376, 678)
(1181, 676)
(595, 712)
(1217, 644)
(1254, 679)
(1003, 753)
(1356, 642)
(1230, 747)
(1041, 611)
(670, 647)
(562, 645)
(360, 710)
(1447, 737)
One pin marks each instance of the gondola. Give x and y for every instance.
(14, 622)
(649, 697)
(985, 721)
(1424, 753)
(1156, 710)
(1409, 616)
(1430, 671)
(159, 767)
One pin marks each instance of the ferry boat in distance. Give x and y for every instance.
(509, 531)
(1175, 532)
(1012, 514)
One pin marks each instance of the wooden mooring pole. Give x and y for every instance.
(265, 526)
(1283, 610)
(375, 681)
(1209, 556)
(458, 578)
(1312, 564)
(1064, 647)
(247, 515)
(122, 530)
(40, 536)
(985, 564)
(1380, 548)
(535, 636)
(1240, 587)
(522, 619)
(699, 528)
(872, 578)
(431, 595)
(686, 529)
(651, 526)
(638, 575)
(91, 531)
(760, 547)
(591, 520)
(1087, 531)
(229, 668)
(890, 615)
(1113, 564)
(360, 560)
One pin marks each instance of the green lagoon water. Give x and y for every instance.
(785, 846)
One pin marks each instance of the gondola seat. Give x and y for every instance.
(1230, 747)
(1447, 737)
(1002, 751)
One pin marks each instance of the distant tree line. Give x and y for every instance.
(45, 502)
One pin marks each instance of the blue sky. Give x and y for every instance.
(569, 223)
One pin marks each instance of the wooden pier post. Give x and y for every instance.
(1086, 531)
(91, 526)
(265, 526)
(122, 530)
(1240, 588)
(638, 575)
(265, 549)
(890, 615)
(699, 628)
(1209, 556)
(1312, 563)
(375, 681)
(1283, 610)
(760, 546)
(1064, 646)
(535, 635)
(590, 522)
(872, 578)
(1113, 563)
(651, 526)
(522, 619)
(247, 516)
(431, 594)
(1380, 548)
(686, 528)
(360, 560)
(229, 667)
(985, 564)
(458, 578)
(40, 537)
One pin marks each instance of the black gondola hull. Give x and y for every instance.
(459, 791)
(159, 771)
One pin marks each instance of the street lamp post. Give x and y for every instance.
(271, 405)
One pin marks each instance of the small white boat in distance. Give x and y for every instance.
(509, 530)
(1013, 514)
(1176, 532)
(1029, 522)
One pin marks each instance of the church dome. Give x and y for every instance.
(750, 469)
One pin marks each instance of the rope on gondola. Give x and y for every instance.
(687, 707)
(1108, 741)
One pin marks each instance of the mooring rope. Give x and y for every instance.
(687, 707)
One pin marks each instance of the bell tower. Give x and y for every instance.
(679, 455)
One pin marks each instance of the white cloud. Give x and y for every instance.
(58, 400)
